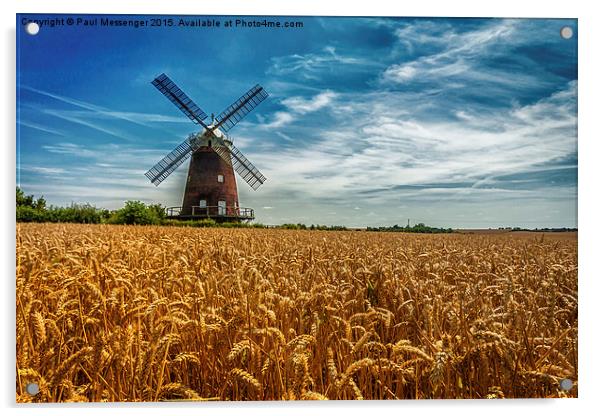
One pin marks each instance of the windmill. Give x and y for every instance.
(211, 185)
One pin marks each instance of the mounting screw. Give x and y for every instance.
(32, 389)
(566, 32)
(566, 384)
(32, 28)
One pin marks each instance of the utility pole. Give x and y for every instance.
(408, 223)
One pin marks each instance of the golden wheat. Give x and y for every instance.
(131, 313)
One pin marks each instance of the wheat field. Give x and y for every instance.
(148, 313)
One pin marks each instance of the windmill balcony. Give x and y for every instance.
(217, 213)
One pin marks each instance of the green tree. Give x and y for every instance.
(157, 210)
(24, 200)
(40, 204)
(136, 212)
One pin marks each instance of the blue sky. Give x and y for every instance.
(370, 121)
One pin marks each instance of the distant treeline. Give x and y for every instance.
(418, 228)
(549, 230)
(30, 209)
(311, 227)
(36, 210)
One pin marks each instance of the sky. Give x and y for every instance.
(463, 123)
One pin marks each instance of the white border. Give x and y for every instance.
(590, 161)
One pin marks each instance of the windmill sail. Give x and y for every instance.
(169, 163)
(243, 106)
(224, 122)
(241, 164)
(169, 88)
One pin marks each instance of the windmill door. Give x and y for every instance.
(202, 208)
(221, 207)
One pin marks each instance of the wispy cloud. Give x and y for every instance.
(66, 148)
(279, 119)
(458, 50)
(313, 66)
(400, 148)
(44, 170)
(90, 114)
(68, 116)
(40, 127)
(486, 63)
(302, 105)
(99, 111)
(299, 106)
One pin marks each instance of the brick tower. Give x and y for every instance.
(210, 185)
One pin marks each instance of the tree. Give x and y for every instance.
(40, 204)
(24, 200)
(136, 212)
(157, 210)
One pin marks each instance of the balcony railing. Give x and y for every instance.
(212, 212)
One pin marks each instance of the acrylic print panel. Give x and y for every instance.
(295, 208)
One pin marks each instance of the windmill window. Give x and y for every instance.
(203, 203)
(221, 207)
(220, 178)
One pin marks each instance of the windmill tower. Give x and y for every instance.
(211, 185)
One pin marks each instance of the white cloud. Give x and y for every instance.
(67, 115)
(280, 119)
(44, 170)
(301, 105)
(67, 148)
(463, 115)
(401, 72)
(96, 111)
(313, 66)
(391, 147)
(41, 128)
(456, 55)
